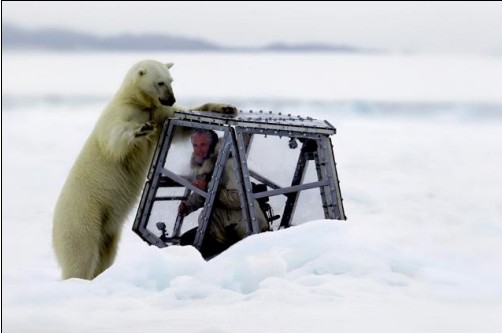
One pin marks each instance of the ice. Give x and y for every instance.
(421, 249)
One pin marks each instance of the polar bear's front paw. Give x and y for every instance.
(145, 129)
(218, 107)
(228, 109)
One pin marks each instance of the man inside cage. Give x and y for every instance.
(226, 225)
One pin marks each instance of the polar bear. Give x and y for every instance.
(109, 173)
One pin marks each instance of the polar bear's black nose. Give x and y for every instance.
(169, 101)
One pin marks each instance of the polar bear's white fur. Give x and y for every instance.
(108, 175)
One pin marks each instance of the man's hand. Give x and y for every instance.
(183, 209)
(200, 184)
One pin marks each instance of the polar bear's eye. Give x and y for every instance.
(160, 84)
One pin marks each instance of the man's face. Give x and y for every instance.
(201, 144)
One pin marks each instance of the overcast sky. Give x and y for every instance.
(420, 26)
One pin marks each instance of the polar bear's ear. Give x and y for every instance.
(141, 71)
(170, 64)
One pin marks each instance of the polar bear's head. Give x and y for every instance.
(151, 82)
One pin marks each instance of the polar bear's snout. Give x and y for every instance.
(167, 101)
(167, 96)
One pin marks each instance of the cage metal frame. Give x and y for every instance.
(238, 131)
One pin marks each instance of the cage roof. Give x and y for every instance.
(260, 119)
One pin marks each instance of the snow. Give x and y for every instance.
(421, 249)
(383, 77)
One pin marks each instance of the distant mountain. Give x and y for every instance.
(309, 47)
(14, 37)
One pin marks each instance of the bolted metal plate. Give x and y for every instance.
(261, 119)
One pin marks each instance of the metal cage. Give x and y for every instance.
(237, 134)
